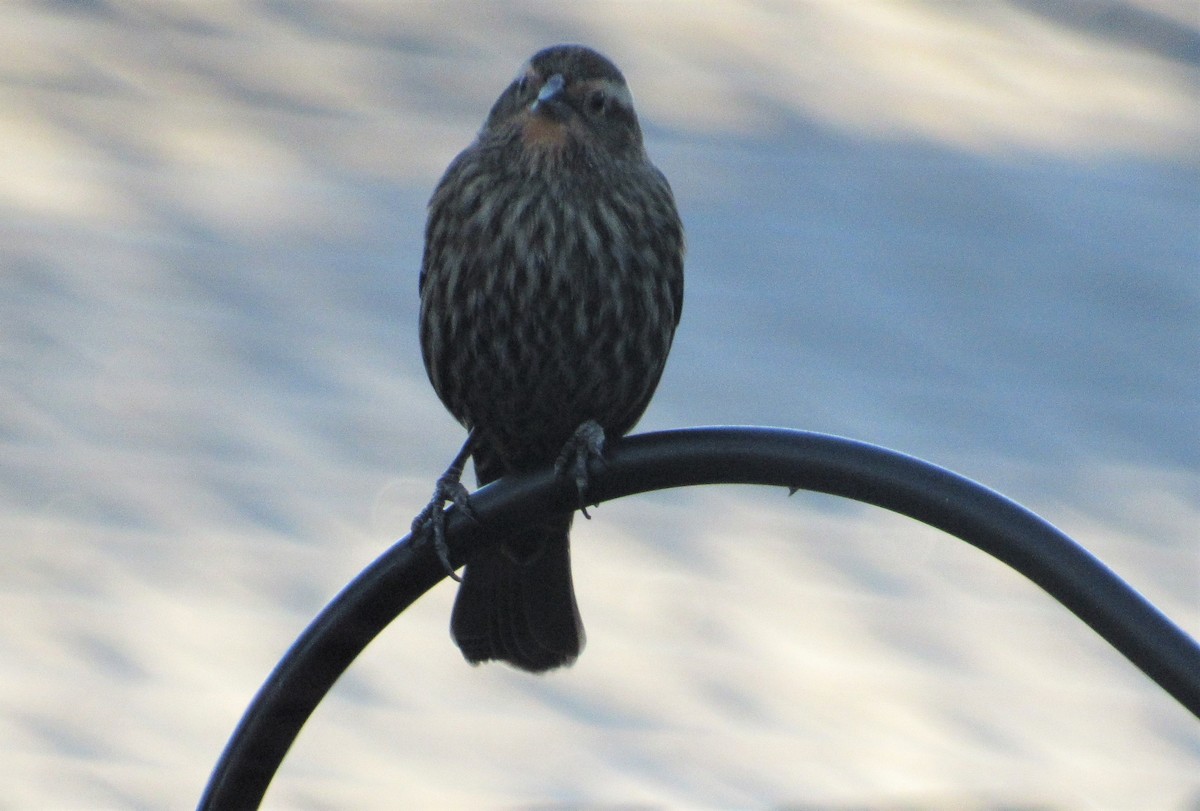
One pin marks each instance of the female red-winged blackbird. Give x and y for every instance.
(551, 286)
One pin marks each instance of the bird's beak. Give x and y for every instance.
(550, 91)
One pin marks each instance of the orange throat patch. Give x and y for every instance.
(543, 132)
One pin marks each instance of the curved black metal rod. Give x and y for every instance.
(725, 455)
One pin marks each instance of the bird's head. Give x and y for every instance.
(569, 95)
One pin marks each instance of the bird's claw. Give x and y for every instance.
(433, 517)
(449, 488)
(585, 446)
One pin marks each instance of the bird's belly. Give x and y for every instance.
(534, 367)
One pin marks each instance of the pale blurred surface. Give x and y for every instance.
(967, 231)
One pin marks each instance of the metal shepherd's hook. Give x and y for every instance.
(729, 455)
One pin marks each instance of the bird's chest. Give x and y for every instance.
(558, 275)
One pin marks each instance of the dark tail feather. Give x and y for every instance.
(517, 603)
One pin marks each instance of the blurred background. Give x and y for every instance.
(964, 230)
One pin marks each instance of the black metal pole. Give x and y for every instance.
(732, 455)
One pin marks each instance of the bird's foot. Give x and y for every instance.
(585, 446)
(449, 488)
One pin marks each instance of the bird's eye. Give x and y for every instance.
(597, 101)
(523, 83)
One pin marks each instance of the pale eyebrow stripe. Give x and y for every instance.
(615, 89)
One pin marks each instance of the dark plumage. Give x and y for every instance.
(551, 287)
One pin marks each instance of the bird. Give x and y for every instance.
(551, 287)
